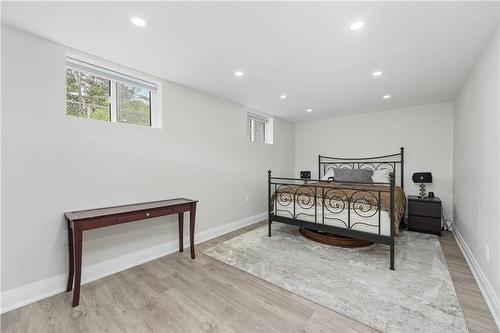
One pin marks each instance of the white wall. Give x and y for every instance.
(52, 163)
(424, 131)
(477, 166)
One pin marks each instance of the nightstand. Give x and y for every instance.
(424, 215)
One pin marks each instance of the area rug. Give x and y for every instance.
(418, 296)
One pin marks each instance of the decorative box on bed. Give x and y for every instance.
(366, 211)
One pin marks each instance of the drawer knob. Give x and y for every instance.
(147, 214)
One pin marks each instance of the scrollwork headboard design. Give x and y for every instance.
(393, 162)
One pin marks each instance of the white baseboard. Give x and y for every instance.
(483, 283)
(18, 297)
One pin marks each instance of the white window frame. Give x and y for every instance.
(268, 130)
(121, 74)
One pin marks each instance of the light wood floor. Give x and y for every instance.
(176, 294)
(476, 311)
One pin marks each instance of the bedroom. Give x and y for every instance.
(199, 100)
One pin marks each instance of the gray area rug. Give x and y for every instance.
(417, 297)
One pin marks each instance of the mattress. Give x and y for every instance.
(369, 222)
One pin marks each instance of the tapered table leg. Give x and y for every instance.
(78, 265)
(181, 232)
(71, 258)
(192, 215)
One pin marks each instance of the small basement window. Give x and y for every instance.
(97, 91)
(259, 128)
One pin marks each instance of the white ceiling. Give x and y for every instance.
(302, 49)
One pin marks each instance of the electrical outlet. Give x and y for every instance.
(246, 198)
(487, 253)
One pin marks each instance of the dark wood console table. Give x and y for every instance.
(104, 217)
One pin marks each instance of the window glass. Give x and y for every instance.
(87, 96)
(259, 130)
(133, 105)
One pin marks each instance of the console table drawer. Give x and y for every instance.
(424, 209)
(98, 222)
(132, 217)
(146, 214)
(161, 212)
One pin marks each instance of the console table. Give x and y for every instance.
(83, 220)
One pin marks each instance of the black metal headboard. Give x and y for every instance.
(390, 162)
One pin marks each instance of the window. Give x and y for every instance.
(97, 92)
(259, 128)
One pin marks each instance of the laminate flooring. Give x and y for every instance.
(177, 294)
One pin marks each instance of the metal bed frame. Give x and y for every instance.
(339, 201)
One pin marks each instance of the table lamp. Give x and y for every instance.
(422, 178)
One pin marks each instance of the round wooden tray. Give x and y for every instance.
(331, 239)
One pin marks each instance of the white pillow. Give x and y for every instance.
(381, 176)
(329, 173)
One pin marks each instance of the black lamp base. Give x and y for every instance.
(422, 191)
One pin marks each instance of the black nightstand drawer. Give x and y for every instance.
(423, 208)
(425, 224)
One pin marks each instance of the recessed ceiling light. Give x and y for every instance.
(239, 73)
(309, 110)
(386, 96)
(138, 22)
(377, 73)
(358, 25)
(283, 96)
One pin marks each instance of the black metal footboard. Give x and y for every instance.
(341, 209)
